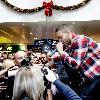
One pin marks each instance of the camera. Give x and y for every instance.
(46, 82)
(26, 62)
(44, 71)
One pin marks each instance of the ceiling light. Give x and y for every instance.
(35, 38)
(23, 36)
(31, 33)
(23, 24)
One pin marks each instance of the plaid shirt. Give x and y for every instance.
(85, 53)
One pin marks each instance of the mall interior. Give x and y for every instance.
(24, 35)
(36, 39)
(49, 50)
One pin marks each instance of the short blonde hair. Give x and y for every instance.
(28, 82)
(64, 29)
(19, 53)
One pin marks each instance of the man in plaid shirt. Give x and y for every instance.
(80, 52)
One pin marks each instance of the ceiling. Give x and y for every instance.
(27, 32)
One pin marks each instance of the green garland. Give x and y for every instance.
(74, 7)
(37, 9)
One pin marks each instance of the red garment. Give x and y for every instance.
(85, 53)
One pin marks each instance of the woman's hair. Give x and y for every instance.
(28, 83)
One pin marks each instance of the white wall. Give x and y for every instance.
(89, 12)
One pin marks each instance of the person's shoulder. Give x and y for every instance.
(81, 38)
(78, 38)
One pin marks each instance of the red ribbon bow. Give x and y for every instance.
(48, 8)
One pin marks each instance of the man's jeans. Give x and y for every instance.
(92, 90)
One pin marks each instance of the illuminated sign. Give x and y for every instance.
(39, 43)
(9, 48)
(0, 48)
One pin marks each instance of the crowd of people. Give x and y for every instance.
(70, 72)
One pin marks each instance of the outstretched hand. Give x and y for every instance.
(59, 48)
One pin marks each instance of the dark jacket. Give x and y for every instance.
(66, 91)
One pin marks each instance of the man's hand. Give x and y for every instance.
(59, 47)
(2, 87)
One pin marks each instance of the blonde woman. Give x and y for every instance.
(28, 84)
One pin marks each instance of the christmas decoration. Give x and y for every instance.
(74, 7)
(37, 9)
(47, 7)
